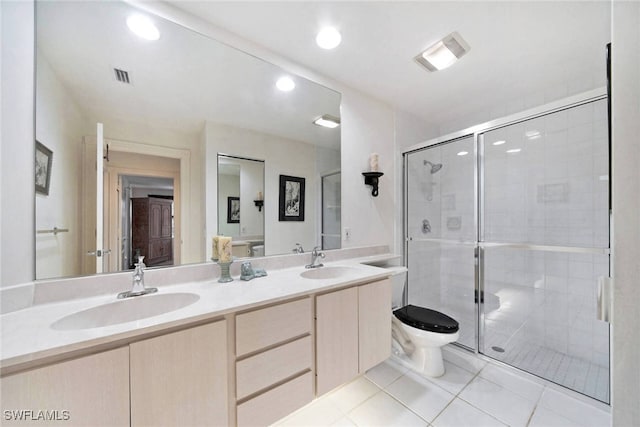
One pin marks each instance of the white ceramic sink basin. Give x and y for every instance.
(126, 310)
(326, 272)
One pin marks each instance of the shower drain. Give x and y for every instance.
(497, 349)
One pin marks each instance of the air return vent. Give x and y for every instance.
(122, 76)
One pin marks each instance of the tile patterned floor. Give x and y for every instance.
(473, 392)
(576, 373)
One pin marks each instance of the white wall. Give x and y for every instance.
(281, 157)
(60, 127)
(367, 126)
(626, 212)
(17, 169)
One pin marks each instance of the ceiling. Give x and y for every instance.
(541, 50)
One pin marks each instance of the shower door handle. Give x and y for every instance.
(605, 288)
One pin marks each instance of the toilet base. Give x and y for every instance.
(428, 360)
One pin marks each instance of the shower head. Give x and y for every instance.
(434, 168)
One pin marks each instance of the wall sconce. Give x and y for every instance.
(371, 178)
(259, 201)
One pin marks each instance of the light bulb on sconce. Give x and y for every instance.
(373, 162)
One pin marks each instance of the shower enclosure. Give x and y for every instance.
(507, 231)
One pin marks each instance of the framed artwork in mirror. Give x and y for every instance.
(233, 210)
(291, 203)
(43, 160)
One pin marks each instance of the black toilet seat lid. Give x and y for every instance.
(426, 319)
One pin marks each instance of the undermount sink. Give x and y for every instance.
(326, 272)
(126, 310)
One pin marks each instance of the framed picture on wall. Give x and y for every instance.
(233, 210)
(291, 206)
(44, 157)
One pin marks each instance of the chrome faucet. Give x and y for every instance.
(298, 249)
(137, 288)
(315, 254)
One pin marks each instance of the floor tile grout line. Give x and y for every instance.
(535, 406)
(431, 383)
(456, 396)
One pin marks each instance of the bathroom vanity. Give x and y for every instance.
(245, 353)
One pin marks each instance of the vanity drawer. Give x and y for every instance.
(265, 369)
(277, 403)
(262, 328)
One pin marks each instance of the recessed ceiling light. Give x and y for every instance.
(499, 142)
(463, 153)
(514, 150)
(327, 121)
(285, 84)
(142, 26)
(532, 134)
(443, 53)
(328, 38)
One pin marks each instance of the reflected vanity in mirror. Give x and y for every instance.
(167, 108)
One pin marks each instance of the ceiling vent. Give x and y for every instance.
(122, 76)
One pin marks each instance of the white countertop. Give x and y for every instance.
(28, 339)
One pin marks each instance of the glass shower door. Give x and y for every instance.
(441, 231)
(544, 246)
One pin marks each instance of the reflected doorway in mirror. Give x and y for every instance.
(291, 206)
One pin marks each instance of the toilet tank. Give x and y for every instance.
(398, 281)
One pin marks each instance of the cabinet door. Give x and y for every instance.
(155, 219)
(89, 391)
(374, 320)
(166, 219)
(336, 339)
(181, 378)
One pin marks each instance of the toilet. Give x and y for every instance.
(420, 332)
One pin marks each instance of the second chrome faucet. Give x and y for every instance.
(315, 255)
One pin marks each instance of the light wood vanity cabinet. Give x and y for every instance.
(88, 391)
(181, 378)
(252, 368)
(336, 338)
(274, 362)
(374, 324)
(353, 332)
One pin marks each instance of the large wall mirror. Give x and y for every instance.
(134, 129)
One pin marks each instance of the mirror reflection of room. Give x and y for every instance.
(149, 97)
